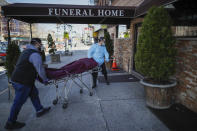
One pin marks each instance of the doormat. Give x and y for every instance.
(177, 118)
(111, 72)
(118, 78)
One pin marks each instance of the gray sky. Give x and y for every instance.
(74, 2)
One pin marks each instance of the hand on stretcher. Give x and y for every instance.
(47, 82)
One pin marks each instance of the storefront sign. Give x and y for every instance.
(81, 14)
(86, 12)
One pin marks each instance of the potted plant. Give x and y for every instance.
(155, 58)
(12, 55)
(110, 48)
(55, 58)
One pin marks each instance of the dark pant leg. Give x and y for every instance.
(34, 95)
(21, 95)
(104, 71)
(94, 77)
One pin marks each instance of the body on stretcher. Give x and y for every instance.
(73, 72)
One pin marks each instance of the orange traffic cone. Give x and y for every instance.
(114, 66)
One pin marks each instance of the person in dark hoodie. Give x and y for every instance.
(28, 67)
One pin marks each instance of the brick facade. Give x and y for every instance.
(127, 2)
(119, 2)
(122, 51)
(186, 67)
(186, 73)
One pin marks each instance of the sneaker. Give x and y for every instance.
(14, 125)
(43, 111)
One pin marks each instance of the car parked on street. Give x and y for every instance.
(2, 54)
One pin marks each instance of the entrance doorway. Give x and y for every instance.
(136, 36)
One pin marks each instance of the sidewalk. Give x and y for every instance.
(2, 70)
(114, 107)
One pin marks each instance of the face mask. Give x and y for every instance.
(101, 43)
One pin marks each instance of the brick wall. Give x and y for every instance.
(122, 53)
(186, 73)
(127, 2)
(186, 68)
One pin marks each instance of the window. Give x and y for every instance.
(185, 31)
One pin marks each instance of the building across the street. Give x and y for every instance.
(20, 31)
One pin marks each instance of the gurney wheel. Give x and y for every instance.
(65, 105)
(55, 102)
(81, 91)
(91, 93)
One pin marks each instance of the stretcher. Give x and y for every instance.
(67, 88)
(74, 78)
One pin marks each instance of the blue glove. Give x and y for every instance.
(46, 82)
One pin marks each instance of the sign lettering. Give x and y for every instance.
(114, 12)
(100, 12)
(86, 12)
(78, 12)
(107, 13)
(90, 12)
(57, 12)
(71, 12)
(64, 12)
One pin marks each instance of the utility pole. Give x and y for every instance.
(8, 28)
(56, 31)
(30, 26)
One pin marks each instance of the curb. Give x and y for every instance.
(3, 91)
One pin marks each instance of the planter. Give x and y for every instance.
(158, 96)
(55, 58)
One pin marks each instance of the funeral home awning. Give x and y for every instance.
(79, 14)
